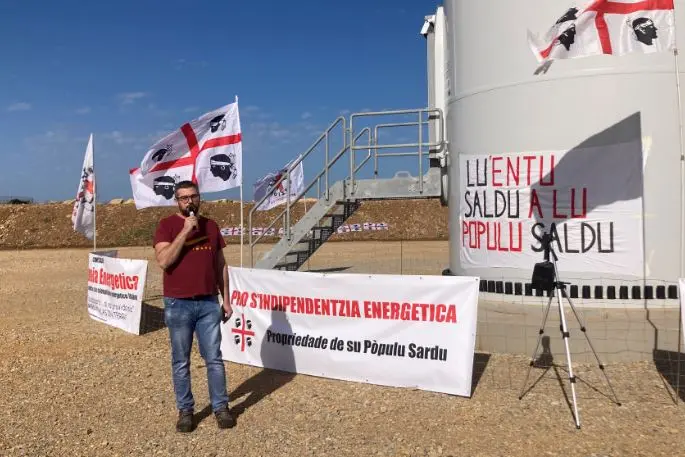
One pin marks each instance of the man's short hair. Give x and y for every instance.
(186, 185)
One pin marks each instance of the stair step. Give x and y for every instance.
(287, 266)
(349, 207)
(336, 220)
(326, 232)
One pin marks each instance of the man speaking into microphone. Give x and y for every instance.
(188, 247)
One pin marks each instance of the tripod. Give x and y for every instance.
(545, 277)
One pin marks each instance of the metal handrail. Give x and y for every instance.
(349, 144)
(439, 142)
(368, 156)
(286, 175)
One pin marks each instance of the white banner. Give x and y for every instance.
(115, 291)
(403, 331)
(588, 199)
(83, 213)
(279, 195)
(345, 228)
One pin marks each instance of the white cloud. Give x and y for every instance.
(306, 115)
(83, 110)
(55, 140)
(156, 110)
(19, 106)
(181, 64)
(119, 138)
(251, 112)
(191, 109)
(132, 140)
(128, 98)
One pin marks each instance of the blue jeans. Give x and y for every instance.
(183, 317)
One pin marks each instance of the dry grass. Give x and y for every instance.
(49, 225)
(72, 386)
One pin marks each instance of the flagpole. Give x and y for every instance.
(242, 229)
(95, 201)
(682, 189)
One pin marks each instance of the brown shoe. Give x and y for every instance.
(185, 422)
(224, 419)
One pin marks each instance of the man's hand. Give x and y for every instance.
(228, 310)
(190, 224)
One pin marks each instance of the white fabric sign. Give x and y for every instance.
(115, 291)
(616, 27)
(403, 331)
(589, 200)
(345, 228)
(279, 195)
(82, 215)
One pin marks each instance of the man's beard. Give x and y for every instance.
(188, 209)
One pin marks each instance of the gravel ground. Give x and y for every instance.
(72, 386)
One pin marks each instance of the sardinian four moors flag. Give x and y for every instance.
(278, 194)
(206, 150)
(616, 27)
(82, 216)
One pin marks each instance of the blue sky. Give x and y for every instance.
(131, 72)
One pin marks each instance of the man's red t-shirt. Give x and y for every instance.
(194, 272)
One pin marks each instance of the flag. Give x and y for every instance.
(615, 27)
(82, 215)
(219, 164)
(279, 195)
(157, 187)
(206, 150)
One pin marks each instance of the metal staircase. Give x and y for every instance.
(339, 201)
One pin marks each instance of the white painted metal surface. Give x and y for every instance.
(497, 105)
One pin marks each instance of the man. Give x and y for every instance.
(188, 248)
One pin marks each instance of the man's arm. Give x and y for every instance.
(222, 281)
(167, 253)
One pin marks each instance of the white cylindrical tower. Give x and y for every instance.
(589, 151)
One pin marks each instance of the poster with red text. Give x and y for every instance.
(403, 331)
(115, 291)
(589, 199)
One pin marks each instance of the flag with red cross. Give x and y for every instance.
(615, 27)
(206, 150)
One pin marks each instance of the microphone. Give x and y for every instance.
(192, 214)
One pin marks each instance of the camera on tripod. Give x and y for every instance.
(544, 273)
(545, 278)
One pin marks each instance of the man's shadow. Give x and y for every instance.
(278, 361)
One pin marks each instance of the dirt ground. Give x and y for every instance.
(71, 386)
(121, 224)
